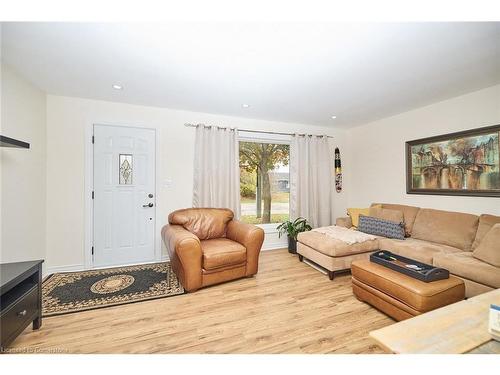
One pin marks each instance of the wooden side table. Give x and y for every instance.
(21, 299)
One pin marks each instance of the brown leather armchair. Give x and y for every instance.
(206, 246)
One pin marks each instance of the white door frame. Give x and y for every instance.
(89, 187)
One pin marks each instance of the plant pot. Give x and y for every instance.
(292, 245)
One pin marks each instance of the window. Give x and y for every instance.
(264, 182)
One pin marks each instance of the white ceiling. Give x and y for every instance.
(302, 73)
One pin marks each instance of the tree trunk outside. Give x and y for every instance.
(266, 197)
(258, 194)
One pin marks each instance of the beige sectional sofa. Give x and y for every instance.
(442, 238)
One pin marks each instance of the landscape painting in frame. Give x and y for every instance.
(465, 163)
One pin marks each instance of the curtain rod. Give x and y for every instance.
(255, 131)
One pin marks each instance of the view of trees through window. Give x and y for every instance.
(264, 182)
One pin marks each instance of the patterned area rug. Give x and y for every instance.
(70, 292)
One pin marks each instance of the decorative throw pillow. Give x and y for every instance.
(381, 227)
(409, 213)
(355, 212)
(396, 216)
(489, 249)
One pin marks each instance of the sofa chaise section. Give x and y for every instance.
(332, 254)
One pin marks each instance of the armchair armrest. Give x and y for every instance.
(345, 222)
(249, 236)
(185, 253)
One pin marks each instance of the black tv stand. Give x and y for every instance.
(21, 299)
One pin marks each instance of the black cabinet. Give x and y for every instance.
(21, 298)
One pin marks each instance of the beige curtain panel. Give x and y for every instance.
(216, 169)
(311, 179)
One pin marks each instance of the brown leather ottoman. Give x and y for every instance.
(401, 296)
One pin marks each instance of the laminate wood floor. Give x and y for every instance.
(288, 307)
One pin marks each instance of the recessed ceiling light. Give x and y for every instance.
(118, 87)
(245, 105)
(334, 117)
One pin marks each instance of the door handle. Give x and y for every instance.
(148, 205)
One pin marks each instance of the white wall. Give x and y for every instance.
(22, 171)
(377, 151)
(68, 120)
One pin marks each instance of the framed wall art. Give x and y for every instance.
(463, 163)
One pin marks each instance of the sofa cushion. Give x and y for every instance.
(354, 214)
(465, 265)
(335, 248)
(445, 227)
(387, 214)
(489, 249)
(409, 214)
(422, 251)
(485, 224)
(221, 252)
(345, 222)
(205, 223)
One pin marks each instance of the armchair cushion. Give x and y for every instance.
(222, 252)
(205, 223)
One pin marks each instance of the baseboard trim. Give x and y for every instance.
(81, 267)
(275, 246)
(68, 268)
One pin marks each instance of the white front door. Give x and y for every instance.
(124, 195)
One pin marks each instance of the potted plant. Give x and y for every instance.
(292, 230)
